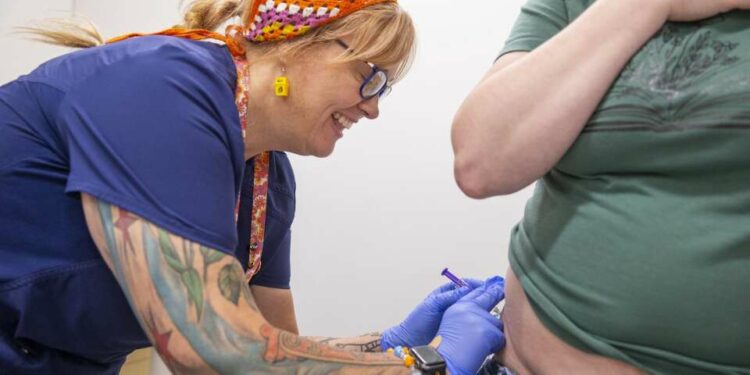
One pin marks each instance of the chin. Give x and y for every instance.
(317, 150)
(323, 152)
(318, 146)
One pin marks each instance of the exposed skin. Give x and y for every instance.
(503, 143)
(191, 300)
(277, 306)
(532, 349)
(197, 310)
(302, 123)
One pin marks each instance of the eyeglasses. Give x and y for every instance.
(376, 84)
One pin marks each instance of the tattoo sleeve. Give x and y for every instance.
(198, 311)
(368, 343)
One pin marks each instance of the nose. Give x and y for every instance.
(370, 107)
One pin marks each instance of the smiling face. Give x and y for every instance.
(324, 100)
(325, 77)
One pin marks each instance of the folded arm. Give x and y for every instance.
(529, 109)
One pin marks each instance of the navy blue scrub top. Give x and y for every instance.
(148, 124)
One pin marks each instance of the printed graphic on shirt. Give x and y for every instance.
(686, 76)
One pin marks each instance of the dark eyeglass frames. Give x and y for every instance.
(376, 83)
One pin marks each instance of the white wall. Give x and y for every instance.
(18, 56)
(378, 220)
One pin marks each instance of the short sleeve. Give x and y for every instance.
(539, 21)
(158, 135)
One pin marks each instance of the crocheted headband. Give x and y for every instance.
(283, 19)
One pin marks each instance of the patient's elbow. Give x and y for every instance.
(480, 172)
(470, 179)
(478, 179)
(471, 188)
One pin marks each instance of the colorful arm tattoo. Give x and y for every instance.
(195, 306)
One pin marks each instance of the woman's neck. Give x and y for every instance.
(256, 141)
(259, 136)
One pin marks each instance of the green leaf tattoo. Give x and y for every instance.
(189, 275)
(192, 281)
(230, 283)
(169, 254)
(209, 257)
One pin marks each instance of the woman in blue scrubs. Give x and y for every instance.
(138, 200)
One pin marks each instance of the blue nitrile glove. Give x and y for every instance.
(420, 327)
(468, 332)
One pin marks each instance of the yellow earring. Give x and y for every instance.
(281, 86)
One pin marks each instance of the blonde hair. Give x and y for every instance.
(76, 32)
(382, 34)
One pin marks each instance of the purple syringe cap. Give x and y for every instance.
(456, 280)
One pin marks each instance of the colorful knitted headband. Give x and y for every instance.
(283, 19)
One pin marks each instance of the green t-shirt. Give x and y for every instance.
(636, 245)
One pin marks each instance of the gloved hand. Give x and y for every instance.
(468, 332)
(420, 327)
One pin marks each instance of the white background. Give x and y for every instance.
(379, 219)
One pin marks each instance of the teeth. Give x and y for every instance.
(343, 120)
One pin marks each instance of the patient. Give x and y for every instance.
(633, 255)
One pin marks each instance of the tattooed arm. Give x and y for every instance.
(369, 343)
(199, 313)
